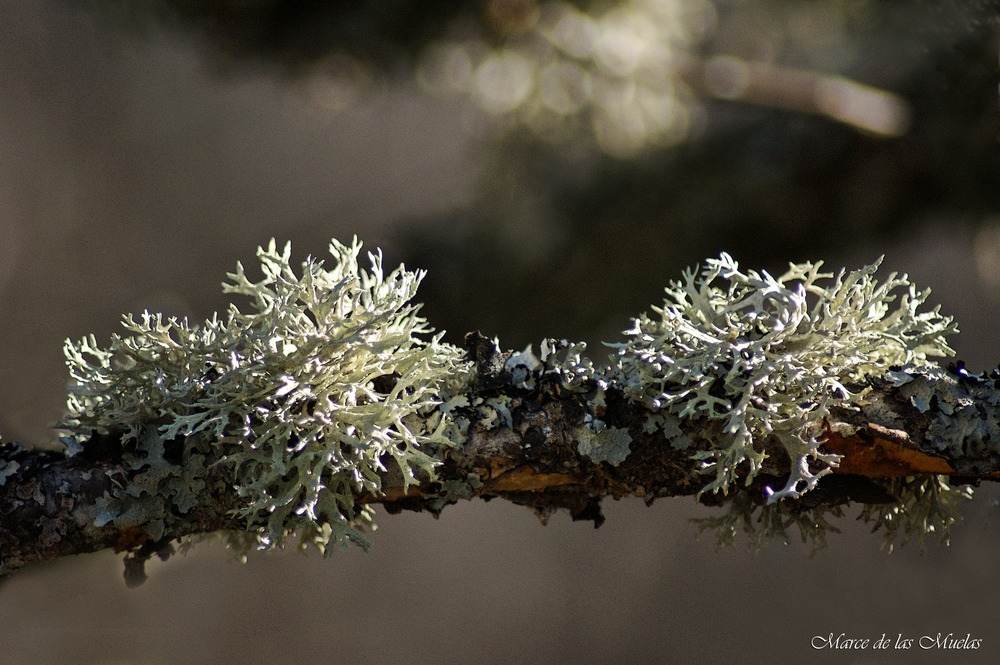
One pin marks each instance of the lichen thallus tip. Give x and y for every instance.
(330, 377)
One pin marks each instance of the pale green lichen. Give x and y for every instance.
(602, 443)
(765, 524)
(332, 385)
(926, 506)
(769, 355)
(451, 491)
(7, 469)
(306, 399)
(565, 361)
(493, 411)
(920, 507)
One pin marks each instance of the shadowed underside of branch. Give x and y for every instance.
(292, 418)
(933, 423)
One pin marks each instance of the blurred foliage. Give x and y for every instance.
(765, 181)
(624, 140)
(298, 34)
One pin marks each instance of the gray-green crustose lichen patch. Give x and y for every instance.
(602, 443)
(960, 411)
(307, 398)
(769, 355)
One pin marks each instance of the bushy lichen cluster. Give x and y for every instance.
(768, 356)
(331, 387)
(308, 399)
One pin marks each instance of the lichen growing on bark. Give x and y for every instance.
(308, 398)
(769, 355)
(330, 388)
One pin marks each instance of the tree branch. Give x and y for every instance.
(933, 422)
(296, 417)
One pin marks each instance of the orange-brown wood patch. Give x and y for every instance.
(880, 452)
(524, 479)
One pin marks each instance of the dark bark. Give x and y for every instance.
(46, 509)
(938, 423)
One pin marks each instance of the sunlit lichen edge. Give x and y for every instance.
(770, 355)
(331, 387)
(329, 378)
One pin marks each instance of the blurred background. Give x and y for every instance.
(552, 165)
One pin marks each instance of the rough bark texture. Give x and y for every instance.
(935, 423)
(46, 509)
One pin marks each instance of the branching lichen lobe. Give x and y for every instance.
(769, 356)
(307, 400)
(330, 394)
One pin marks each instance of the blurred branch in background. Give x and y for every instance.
(650, 133)
(644, 139)
(636, 73)
(632, 69)
(142, 150)
(646, 133)
(854, 104)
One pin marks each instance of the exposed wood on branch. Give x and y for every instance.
(938, 424)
